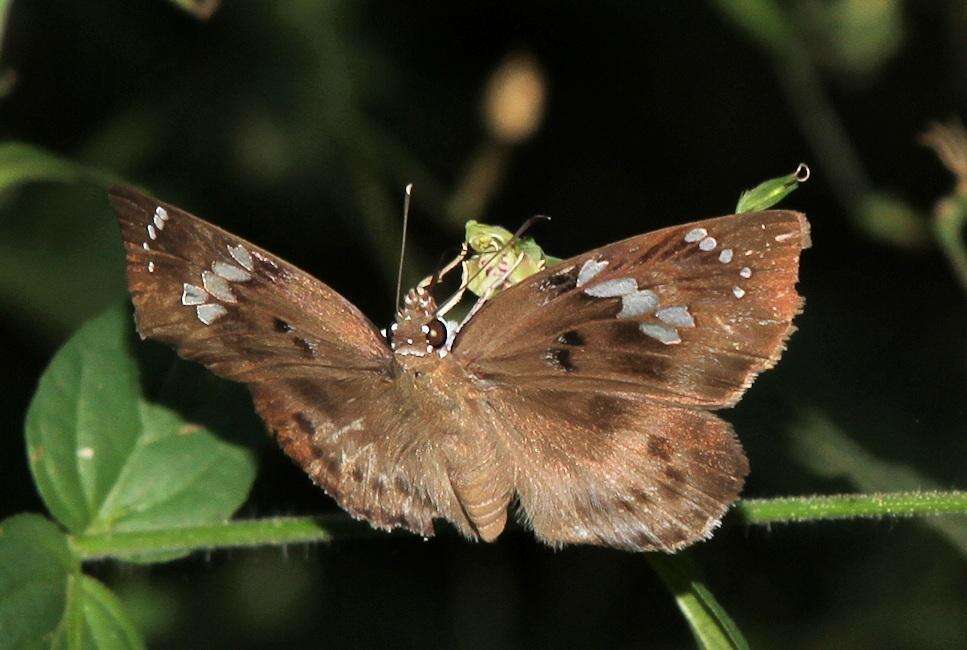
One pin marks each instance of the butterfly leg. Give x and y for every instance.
(455, 298)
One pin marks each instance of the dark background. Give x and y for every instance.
(295, 124)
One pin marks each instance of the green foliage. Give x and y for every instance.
(35, 563)
(22, 163)
(710, 623)
(105, 460)
(93, 618)
(768, 193)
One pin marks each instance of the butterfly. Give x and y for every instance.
(582, 396)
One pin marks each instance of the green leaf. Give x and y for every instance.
(768, 193)
(105, 460)
(23, 163)
(94, 618)
(84, 420)
(35, 562)
(711, 625)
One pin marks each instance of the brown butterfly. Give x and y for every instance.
(584, 392)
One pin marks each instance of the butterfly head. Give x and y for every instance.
(418, 332)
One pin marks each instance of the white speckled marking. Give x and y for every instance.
(145, 246)
(745, 272)
(192, 295)
(242, 256)
(738, 292)
(676, 316)
(230, 272)
(725, 256)
(708, 244)
(784, 236)
(152, 233)
(150, 267)
(663, 333)
(695, 235)
(613, 288)
(208, 314)
(638, 303)
(590, 269)
(217, 286)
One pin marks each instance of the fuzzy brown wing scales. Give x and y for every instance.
(686, 315)
(619, 471)
(339, 436)
(232, 306)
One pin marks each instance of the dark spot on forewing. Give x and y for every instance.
(308, 350)
(281, 326)
(559, 283)
(571, 338)
(559, 358)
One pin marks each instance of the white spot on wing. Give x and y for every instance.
(230, 272)
(161, 213)
(217, 286)
(745, 272)
(725, 256)
(242, 256)
(590, 269)
(145, 246)
(784, 236)
(152, 233)
(708, 244)
(738, 292)
(613, 288)
(663, 333)
(638, 303)
(150, 267)
(676, 316)
(208, 314)
(695, 235)
(192, 295)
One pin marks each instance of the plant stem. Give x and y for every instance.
(279, 531)
(276, 531)
(851, 506)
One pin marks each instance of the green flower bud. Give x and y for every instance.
(486, 243)
(765, 195)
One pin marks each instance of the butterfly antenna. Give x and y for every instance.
(407, 192)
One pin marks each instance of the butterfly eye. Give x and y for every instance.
(437, 334)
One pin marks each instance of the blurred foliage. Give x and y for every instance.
(296, 124)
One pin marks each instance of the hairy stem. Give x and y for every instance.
(279, 531)
(851, 506)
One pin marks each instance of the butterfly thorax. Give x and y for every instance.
(417, 333)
